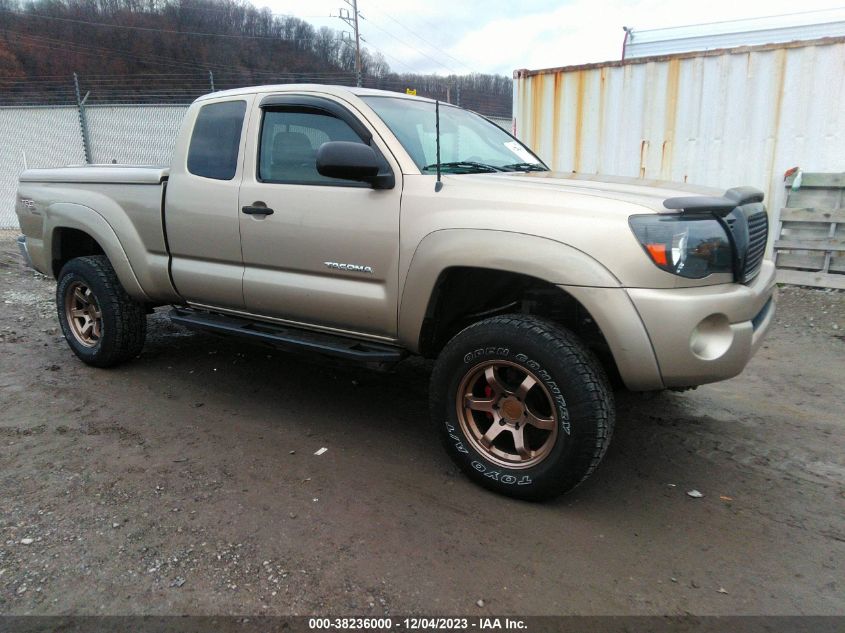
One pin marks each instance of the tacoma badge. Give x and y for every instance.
(355, 268)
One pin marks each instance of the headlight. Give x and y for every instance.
(691, 247)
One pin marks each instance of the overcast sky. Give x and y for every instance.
(498, 36)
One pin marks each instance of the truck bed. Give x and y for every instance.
(105, 174)
(119, 206)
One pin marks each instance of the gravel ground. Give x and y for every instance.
(186, 482)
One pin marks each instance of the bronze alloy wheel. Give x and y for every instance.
(83, 314)
(531, 425)
(507, 414)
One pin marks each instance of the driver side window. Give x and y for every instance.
(289, 143)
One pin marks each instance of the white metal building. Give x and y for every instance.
(777, 29)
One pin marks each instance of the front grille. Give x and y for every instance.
(758, 235)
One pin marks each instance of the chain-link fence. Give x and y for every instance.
(485, 94)
(34, 137)
(133, 135)
(51, 136)
(125, 124)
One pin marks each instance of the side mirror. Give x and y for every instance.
(351, 161)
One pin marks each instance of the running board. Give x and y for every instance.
(288, 338)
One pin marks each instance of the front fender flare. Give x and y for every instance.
(540, 257)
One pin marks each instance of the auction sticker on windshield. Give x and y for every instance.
(521, 152)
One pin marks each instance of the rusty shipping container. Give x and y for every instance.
(739, 116)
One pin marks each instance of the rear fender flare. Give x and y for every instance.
(76, 216)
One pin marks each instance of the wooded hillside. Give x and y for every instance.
(172, 50)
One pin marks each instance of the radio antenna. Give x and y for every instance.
(439, 184)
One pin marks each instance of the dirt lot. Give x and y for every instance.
(186, 482)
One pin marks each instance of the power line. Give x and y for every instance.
(352, 21)
(155, 30)
(119, 86)
(41, 41)
(449, 69)
(175, 32)
(56, 45)
(145, 75)
(175, 89)
(424, 54)
(64, 46)
(257, 11)
(433, 27)
(386, 54)
(419, 37)
(103, 81)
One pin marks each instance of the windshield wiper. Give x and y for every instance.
(464, 164)
(525, 167)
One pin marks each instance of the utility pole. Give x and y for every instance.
(211, 80)
(352, 20)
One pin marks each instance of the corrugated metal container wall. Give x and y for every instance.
(721, 118)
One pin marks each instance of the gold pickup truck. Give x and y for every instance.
(369, 225)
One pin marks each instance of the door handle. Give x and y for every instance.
(257, 210)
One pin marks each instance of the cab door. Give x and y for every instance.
(325, 253)
(201, 205)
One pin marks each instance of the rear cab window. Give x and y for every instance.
(215, 141)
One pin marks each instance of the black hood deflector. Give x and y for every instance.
(720, 205)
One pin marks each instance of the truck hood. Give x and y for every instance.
(645, 193)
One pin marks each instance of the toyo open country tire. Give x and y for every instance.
(523, 407)
(102, 324)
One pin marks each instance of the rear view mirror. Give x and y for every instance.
(351, 161)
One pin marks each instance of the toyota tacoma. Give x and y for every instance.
(369, 226)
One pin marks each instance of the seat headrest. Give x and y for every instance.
(290, 143)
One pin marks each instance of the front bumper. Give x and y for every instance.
(22, 247)
(708, 333)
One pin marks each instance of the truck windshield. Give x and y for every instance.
(468, 142)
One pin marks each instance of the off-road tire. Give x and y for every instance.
(123, 322)
(577, 389)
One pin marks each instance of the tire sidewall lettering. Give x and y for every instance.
(496, 475)
(459, 443)
(552, 386)
(504, 352)
(576, 391)
(510, 478)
